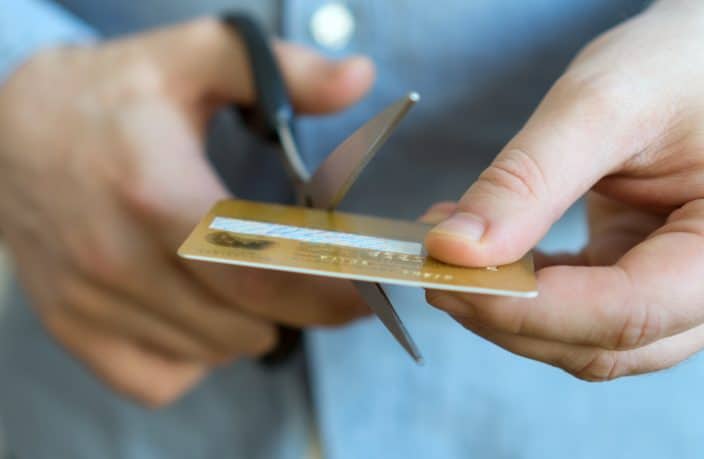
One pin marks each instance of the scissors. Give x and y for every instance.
(272, 118)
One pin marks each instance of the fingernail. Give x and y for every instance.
(462, 225)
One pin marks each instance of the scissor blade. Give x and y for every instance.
(295, 167)
(377, 300)
(338, 172)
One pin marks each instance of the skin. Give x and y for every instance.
(625, 125)
(102, 176)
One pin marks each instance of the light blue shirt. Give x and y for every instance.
(481, 67)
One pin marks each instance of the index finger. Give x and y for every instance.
(654, 291)
(581, 132)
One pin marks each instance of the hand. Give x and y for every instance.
(103, 174)
(625, 121)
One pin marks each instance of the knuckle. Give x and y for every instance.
(602, 366)
(517, 321)
(687, 218)
(158, 391)
(67, 289)
(103, 261)
(435, 297)
(641, 325)
(146, 78)
(138, 200)
(592, 97)
(212, 355)
(443, 300)
(252, 340)
(76, 299)
(508, 320)
(160, 395)
(73, 300)
(454, 305)
(634, 323)
(139, 77)
(517, 172)
(221, 346)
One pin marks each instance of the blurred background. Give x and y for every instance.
(4, 281)
(4, 275)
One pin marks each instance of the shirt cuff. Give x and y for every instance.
(27, 26)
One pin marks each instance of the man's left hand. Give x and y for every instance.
(626, 125)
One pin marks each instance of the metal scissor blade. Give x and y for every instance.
(295, 167)
(377, 300)
(338, 172)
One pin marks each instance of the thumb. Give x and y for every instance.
(319, 85)
(213, 68)
(578, 134)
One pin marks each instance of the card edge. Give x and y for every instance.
(362, 278)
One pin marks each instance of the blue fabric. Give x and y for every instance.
(481, 66)
(26, 26)
(53, 408)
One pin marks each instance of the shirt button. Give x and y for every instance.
(332, 26)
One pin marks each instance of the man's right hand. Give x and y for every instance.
(103, 174)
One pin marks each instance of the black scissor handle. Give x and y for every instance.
(271, 107)
(272, 103)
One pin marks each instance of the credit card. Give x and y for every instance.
(341, 245)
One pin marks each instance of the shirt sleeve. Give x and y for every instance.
(26, 26)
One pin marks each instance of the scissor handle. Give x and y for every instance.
(273, 104)
(271, 109)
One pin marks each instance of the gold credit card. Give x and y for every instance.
(342, 245)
